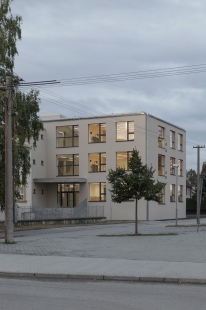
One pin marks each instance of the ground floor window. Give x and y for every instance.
(68, 194)
(97, 191)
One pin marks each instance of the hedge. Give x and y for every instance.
(191, 204)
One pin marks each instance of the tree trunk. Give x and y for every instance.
(136, 217)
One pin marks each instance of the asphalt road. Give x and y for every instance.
(83, 295)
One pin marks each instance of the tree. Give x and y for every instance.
(136, 184)
(191, 176)
(25, 106)
(203, 175)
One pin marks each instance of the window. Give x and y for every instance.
(180, 140)
(97, 162)
(172, 192)
(67, 136)
(97, 191)
(125, 131)
(34, 161)
(34, 191)
(68, 164)
(42, 191)
(180, 192)
(172, 139)
(172, 162)
(42, 162)
(122, 159)
(161, 136)
(161, 164)
(180, 167)
(68, 195)
(22, 192)
(97, 133)
(42, 137)
(162, 196)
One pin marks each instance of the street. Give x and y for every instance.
(78, 295)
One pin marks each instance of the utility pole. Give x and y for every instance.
(198, 147)
(9, 226)
(176, 170)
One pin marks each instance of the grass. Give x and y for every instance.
(135, 235)
(7, 242)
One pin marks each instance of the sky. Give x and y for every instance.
(70, 39)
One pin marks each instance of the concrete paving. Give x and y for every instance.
(80, 252)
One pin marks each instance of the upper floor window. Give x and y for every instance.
(172, 139)
(97, 162)
(172, 168)
(67, 136)
(125, 131)
(180, 167)
(161, 164)
(97, 191)
(122, 159)
(97, 133)
(22, 192)
(172, 192)
(180, 141)
(161, 136)
(68, 164)
(180, 193)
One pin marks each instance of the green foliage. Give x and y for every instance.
(203, 174)
(25, 107)
(191, 205)
(191, 176)
(135, 184)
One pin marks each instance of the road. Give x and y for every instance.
(82, 295)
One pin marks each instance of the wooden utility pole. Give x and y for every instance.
(198, 147)
(9, 226)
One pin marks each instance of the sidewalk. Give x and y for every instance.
(78, 252)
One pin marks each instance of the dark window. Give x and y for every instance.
(34, 161)
(68, 194)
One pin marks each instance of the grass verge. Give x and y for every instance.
(136, 235)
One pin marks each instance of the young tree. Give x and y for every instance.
(26, 123)
(136, 184)
(203, 175)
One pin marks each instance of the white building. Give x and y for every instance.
(73, 156)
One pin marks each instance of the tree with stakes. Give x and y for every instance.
(137, 183)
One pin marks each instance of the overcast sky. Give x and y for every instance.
(75, 38)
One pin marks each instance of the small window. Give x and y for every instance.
(162, 196)
(125, 131)
(161, 164)
(180, 193)
(161, 136)
(34, 191)
(172, 168)
(180, 167)
(180, 142)
(172, 139)
(42, 191)
(42, 162)
(172, 192)
(34, 161)
(42, 137)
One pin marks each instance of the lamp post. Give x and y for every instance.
(176, 166)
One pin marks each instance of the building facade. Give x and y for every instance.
(73, 156)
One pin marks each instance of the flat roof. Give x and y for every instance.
(108, 116)
(60, 180)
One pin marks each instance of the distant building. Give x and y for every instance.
(73, 156)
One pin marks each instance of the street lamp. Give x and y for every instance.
(176, 166)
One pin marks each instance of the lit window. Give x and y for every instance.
(172, 192)
(97, 133)
(161, 164)
(162, 196)
(180, 167)
(180, 141)
(172, 162)
(180, 193)
(68, 164)
(22, 192)
(97, 191)
(161, 136)
(68, 194)
(97, 162)
(172, 139)
(125, 131)
(67, 136)
(122, 159)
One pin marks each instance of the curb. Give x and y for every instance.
(101, 277)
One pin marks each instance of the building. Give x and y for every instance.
(73, 156)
